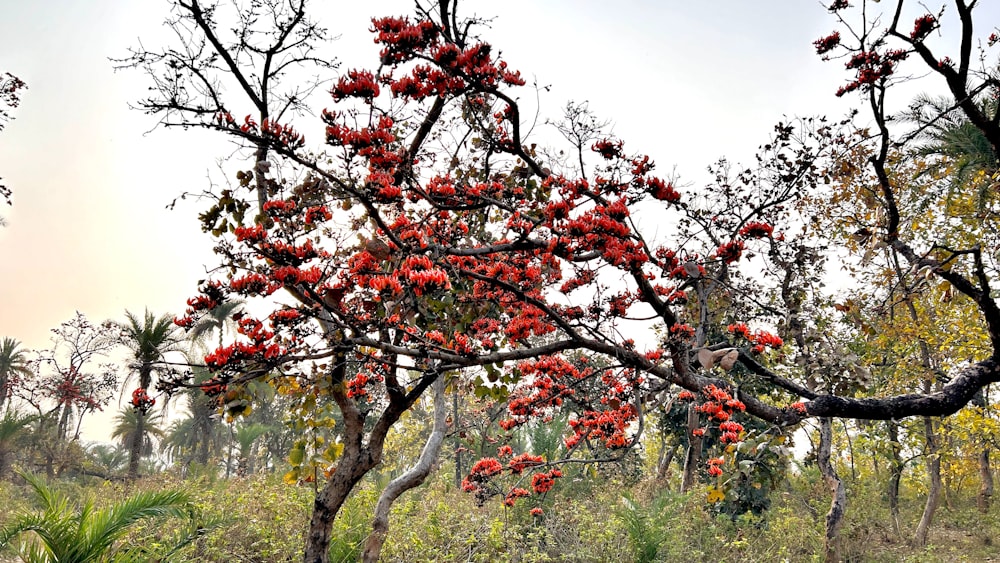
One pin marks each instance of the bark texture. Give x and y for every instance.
(934, 490)
(413, 477)
(693, 455)
(838, 502)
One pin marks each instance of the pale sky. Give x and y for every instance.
(686, 82)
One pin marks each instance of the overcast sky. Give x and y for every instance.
(686, 82)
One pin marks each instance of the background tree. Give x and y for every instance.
(14, 429)
(149, 338)
(13, 365)
(127, 431)
(65, 384)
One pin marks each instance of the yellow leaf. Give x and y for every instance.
(715, 495)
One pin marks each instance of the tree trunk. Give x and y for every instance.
(934, 491)
(663, 467)
(838, 503)
(693, 455)
(985, 495)
(203, 446)
(135, 447)
(413, 477)
(350, 469)
(896, 473)
(459, 471)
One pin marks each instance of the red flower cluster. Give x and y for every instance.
(826, 44)
(142, 401)
(542, 483)
(357, 386)
(923, 26)
(682, 331)
(871, 67)
(481, 472)
(608, 149)
(609, 426)
(739, 329)
(721, 406)
(761, 339)
(756, 229)
(730, 252)
(523, 461)
(514, 494)
(714, 466)
(402, 38)
(285, 135)
(357, 84)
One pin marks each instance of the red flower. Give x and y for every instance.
(608, 149)
(524, 461)
(729, 438)
(827, 44)
(663, 191)
(537, 511)
(730, 252)
(922, 27)
(542, 483)
(514, 494)
(739, 329)
(756, 229)
(682, 331)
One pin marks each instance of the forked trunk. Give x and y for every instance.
(838, 503)
(350, 469)
(413, 477)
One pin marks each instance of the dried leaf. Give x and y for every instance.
(706, 358)
(729, 360)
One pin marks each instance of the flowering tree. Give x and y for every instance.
(431, 237)
(67, 382)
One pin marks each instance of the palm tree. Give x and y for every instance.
(215, 321)
(947, 133)
(127, 431)
(107, 459)
(199, 436)
(13, 431)
(149, 339)
(13, 363)
(64, 533)
(246, 436)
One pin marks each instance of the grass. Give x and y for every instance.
(591, 522)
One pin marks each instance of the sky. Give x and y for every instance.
(686, 82)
